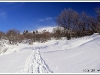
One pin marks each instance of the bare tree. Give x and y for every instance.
(2, 35)
(97, 10)
(77, 25)
(69, 19)
(13, 36)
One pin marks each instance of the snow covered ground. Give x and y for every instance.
(78, 55)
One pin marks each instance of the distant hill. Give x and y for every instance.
(49, 29)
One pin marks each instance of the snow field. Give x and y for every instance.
(55, 56)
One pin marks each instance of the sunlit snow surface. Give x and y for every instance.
(55, 56)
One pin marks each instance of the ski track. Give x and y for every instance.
(35, 64)
(34, 48)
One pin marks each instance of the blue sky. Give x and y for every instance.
(33, 15)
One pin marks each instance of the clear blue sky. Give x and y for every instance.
(33, 15)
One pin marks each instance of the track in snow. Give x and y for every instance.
(35, 64)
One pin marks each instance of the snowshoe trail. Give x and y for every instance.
(35, 64)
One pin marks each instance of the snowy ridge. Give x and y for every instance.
(49, 29)
(35, 64)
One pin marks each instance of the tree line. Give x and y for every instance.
(14, 36)
(78, 24)
(70, 24)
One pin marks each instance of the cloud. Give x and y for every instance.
(41, 19)
(45, 19)
(3, 15)
(55, 17)
(49, 18)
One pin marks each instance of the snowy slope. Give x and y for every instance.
(49, 29)
(74, 56)
(77, 55)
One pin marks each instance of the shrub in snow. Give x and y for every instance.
(3, 46)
